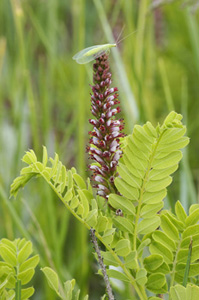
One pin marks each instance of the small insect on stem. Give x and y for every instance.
(88, 54)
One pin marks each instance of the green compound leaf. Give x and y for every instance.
(15, 270)
(172, 242)
(150, 156)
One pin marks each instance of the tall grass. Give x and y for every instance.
(44, 100)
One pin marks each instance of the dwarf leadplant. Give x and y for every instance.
(104, 146)
(150, 245)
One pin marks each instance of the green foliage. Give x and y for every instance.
(179, 292)
(150, 156)
(16, 269)
(69, 292)
(170, 247)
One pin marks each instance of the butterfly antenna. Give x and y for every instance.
(126, 36)
(119, 35)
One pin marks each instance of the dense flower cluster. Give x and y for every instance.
(104, 142)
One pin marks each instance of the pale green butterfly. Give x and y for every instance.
(88, 54)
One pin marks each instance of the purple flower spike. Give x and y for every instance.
(104, 146)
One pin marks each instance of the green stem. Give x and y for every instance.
(18, 281)
(174, 265)
(18, 290)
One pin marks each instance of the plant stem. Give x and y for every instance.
(18, 290)
(174, 265)
(100, 259)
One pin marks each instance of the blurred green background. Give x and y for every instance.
(44, 100)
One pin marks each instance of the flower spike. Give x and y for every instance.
(104, 146)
